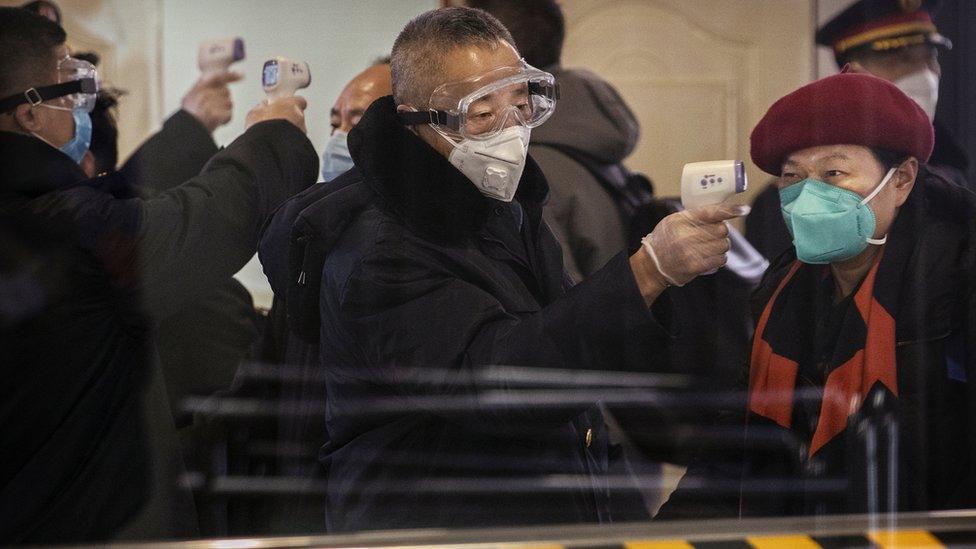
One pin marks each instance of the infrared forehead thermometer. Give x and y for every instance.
(282, 77)
(706, 183)
(216, 55)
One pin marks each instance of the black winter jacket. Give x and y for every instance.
(201, 345)
(87, 434)
(764, 471)
(428, 304)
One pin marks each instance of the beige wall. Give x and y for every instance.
(698, 74)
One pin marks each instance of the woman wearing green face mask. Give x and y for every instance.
(861, 381)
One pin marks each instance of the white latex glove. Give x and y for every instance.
(691, 242)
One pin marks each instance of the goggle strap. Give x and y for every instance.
(34, 96)
(440, 118)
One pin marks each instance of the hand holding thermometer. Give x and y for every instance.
(706, 183)
(282, 77)
(215, 56)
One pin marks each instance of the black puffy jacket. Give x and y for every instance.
(764, 469)
(429, 306)
(87, 435)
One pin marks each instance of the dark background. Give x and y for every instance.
(957, 91)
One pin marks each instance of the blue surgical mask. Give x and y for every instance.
(78, 145)
(828, 223)
(335, 158)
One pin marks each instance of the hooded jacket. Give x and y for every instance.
(429, 304)
(88, 438)
(592, 121)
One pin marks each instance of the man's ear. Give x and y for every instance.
(27, 118)
(408, 108)
(903, 180)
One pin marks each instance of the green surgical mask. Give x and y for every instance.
(828, 223)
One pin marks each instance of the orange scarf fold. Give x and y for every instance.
(776, 356)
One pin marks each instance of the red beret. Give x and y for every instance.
(843, 109)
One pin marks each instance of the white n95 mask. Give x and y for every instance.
(495, 164)
(923, 87)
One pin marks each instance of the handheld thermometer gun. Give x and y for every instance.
(282, 77)
(707, 183)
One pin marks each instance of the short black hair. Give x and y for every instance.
(37, 6)
(888, 158)
(417, 52)
(537, 26)
(90, 56)
(27, 43)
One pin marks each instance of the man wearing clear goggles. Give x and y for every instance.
(487, 120)
(74, 93)
(430, 283)
(88, 271)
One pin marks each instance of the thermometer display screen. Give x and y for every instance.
(269, 77)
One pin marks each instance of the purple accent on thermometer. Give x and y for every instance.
(238, 49)
(741, 183)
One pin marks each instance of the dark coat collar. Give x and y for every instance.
(29, 165)
(417, 184)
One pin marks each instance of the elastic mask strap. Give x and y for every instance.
(446, 137)
(50, 107)
(55, 107)
(887, 177)
(880, 186)
(42, 139)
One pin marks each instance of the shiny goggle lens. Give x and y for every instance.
(70, 69)
(480, 107)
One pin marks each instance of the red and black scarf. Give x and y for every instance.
(863, 356)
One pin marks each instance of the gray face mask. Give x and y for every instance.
(495, 164)
(335, 157)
